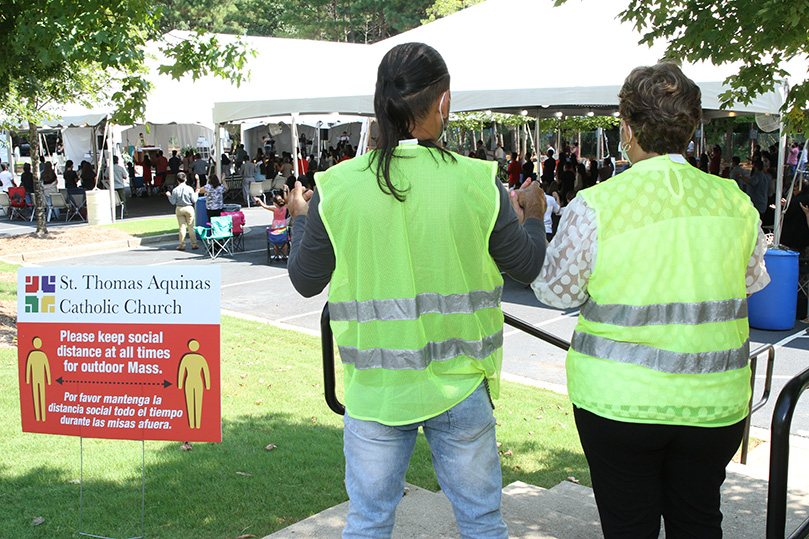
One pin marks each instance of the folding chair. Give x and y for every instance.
(277, 241)
(5, 203)
(77, 199)
(57, 203)
(121, 203)
(218, 238)
(266, 187)
(257, 191)
(19, 206)
(138, 186)
(238, 231)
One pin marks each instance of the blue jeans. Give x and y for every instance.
(464, 452)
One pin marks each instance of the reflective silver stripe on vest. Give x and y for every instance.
(384, 310)
(660, 360)
(397, 359)
(665, 313)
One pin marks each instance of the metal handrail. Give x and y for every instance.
(770, 349)
(779, 460)
(327, 345)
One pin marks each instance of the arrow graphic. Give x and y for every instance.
(164, 383)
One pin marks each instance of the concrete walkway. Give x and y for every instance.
(568, 510)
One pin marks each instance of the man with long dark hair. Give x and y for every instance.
(413, 239)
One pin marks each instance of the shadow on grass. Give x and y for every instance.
(215, 490)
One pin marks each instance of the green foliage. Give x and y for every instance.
(58, 52)
(360, 21)
(442, 8)
(252, 17)
(760, 35)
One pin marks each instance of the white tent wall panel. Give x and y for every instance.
(162, 135)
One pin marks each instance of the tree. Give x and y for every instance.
(251, 17)
(761, 35)
(357, 21)
(61, 51)
(442, 8)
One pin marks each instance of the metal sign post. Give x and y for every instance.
(142, 499)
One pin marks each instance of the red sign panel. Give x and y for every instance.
(137, 381)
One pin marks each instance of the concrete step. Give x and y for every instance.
(568, 510)
(420, 514)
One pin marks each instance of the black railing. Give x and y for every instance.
(779, 460)
(770, 349)
(327, 345)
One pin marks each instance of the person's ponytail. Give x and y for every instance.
(410, 78)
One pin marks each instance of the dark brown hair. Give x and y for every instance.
(410, 78)
(662, 106)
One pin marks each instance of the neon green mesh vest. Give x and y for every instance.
(415, 297)
(663, 337)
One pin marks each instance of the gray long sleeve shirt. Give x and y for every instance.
(517, 250)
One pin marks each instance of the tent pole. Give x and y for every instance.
(537, 145)
(217, 159)
(294, 134)
(701, 137)
(599, 143)
(110, 167)
(95, 148)
(779, 182)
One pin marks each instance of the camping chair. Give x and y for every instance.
(218, 238)
(77, 199)
(277, 241)
(19, 206)
(121, 203)
(57, 203)
(238, 231)
(257, 191)
(5, 203)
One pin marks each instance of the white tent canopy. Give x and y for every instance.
(490, 77)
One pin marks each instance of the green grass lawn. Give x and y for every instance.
(146, 227)
(271, 394)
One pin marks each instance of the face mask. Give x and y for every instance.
(444, 121)
(624, 146)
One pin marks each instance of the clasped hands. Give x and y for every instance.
(529, 201)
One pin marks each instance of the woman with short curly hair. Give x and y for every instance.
(661, 259)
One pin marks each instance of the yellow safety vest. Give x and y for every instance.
(415, 297)
(663, 337)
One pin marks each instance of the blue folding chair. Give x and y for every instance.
(217, 238)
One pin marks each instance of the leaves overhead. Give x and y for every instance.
(94, 51)
(760, 35)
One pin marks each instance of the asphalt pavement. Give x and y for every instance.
(253, 288)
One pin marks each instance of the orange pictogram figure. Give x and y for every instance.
(37, 370)
(193, 371)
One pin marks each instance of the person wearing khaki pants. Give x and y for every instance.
(184, 197)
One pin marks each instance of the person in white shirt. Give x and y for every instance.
(6, 177)
(552, 207)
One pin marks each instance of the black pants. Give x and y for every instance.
(213, 213)
(641, 472)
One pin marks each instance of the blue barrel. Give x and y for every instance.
(774, 307)
(201, 213)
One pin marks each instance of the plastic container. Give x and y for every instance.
(774, 307)
(99, 211)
